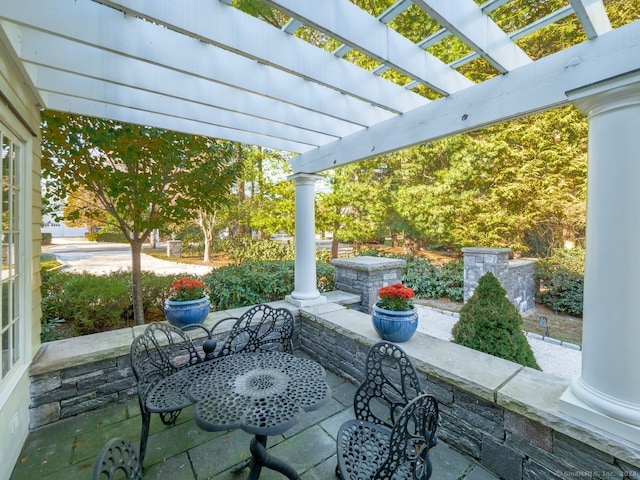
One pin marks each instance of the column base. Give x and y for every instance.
(574, 407)
(305, 302)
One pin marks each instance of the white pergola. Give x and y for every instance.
(207, 68)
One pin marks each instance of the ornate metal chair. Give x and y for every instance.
(160, 351)
(391, 382)
(117, 458)
(369, 450)
(261, 328)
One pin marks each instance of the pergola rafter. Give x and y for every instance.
(208, 68)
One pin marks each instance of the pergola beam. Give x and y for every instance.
(535, 87)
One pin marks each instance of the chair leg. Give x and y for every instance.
(338, 472)
(144, 435)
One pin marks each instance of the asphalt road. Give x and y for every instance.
(80, 255)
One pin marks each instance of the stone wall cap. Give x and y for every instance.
(368, 264)
(485, 250)
(522, 261)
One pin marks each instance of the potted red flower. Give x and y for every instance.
(394, 315)
(187, 303)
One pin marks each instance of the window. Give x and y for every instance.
(10, 327)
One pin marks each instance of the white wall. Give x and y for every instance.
(20, 115)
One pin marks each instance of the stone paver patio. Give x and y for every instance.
(67, 449)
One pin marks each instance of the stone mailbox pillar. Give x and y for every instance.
(365, 275)
(174, 248)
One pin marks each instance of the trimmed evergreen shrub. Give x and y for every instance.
(490, 323)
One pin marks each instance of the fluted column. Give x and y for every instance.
(607, 394)
(305, 290)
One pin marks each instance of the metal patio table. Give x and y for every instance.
(261, 393)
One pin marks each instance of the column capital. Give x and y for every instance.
(304, 178)
(611, 94)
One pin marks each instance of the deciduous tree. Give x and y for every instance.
(141, 177)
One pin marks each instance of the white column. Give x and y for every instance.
(305, 291)
(607, 394)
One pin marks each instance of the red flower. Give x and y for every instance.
(186, 288)
(396, 297)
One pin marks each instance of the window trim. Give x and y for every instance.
(14, 129)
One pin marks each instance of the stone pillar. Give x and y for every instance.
(365, 275)
(305, 289)
(174, 248)
(478, 261)
(607, 394)
(515, 276)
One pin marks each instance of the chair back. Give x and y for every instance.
(158, 352)
(412, 436)
(118, 459)
(391, 382)
(260, 329)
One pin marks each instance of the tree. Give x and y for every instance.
(141, 177)
(490, 323)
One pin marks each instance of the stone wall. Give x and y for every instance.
(365, 275)
(515, 276)
(67, 392)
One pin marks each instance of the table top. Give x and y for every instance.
(263, 393)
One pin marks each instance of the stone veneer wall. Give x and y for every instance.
(504, 415)
(67, 392)
(365, 275)
(515, 276)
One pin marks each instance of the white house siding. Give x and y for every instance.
(20, 117)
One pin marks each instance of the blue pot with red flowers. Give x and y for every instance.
(188, 302)
(394, 316)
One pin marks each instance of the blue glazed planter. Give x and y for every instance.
(186, 312)
(394, 326)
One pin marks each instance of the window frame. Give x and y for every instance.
(21, 227)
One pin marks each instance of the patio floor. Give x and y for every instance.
(67, 449)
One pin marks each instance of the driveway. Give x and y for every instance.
(80, 255)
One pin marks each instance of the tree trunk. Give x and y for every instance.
(394, 239)
(136, 279)
(334, 247)
(207, 224)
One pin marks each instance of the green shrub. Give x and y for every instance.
(251, 283)
(561, 279)
(155, 290)
(430, 282)
(50, 265)
(451, 280)
(93, 303)
(49, 329)
(245, 248)
(117, 237)
(490, 323)
(96, 303)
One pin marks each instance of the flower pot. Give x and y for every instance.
(186, 312)
(394, 326)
